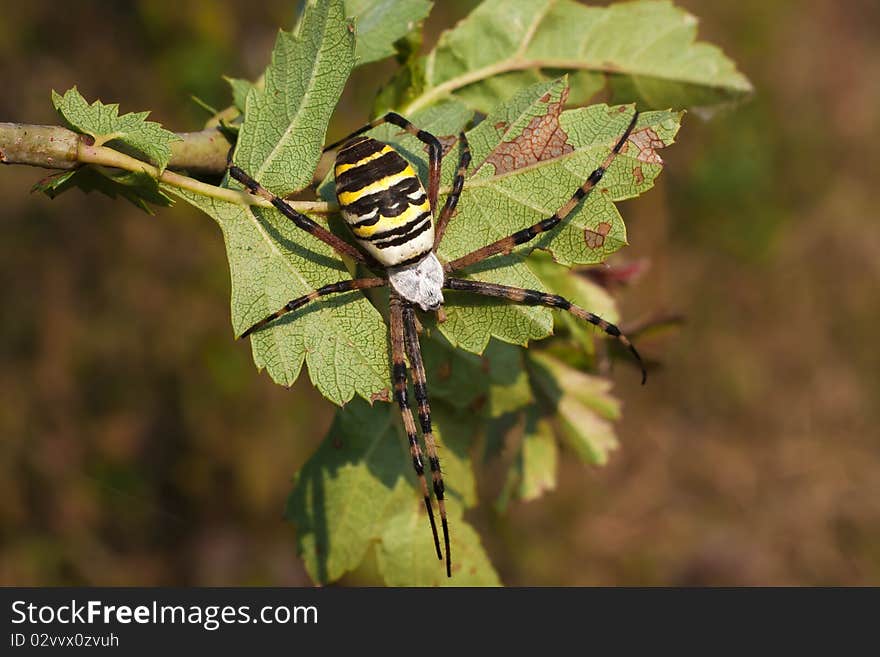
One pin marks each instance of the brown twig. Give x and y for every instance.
(54, 147)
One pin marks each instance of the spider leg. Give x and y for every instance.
(507, 244)
(464, 159)
(399, 371)
(536, 298)
(414, 351)
(332, 288)
(302, 221)
(435, 150)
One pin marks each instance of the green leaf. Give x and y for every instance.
(509, 389)
(457, 377)
(240, 89)
(582, 403)
(359, 489)
(380, 23)
(533, 471)
(571, 284)
(539, 457)
(138, 187)
(492, 384)
(574, 286)
(648, 49)
(347, 491)
(408, 83)
(406, 554)
(103, 123)
(341, 338)
(473, 320)
(528, 159)
(285, 123)
(529, 156)
(456, 431)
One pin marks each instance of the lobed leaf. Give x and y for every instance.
(380, 23)
(286, 119)
(529, 156)
(582, 403)
(342, 339)
(359, 489)
(571, 284)
(648, 50)
(509, 389)
(103, 123)
(240, 89)
(455, 431)
(406, 555)
(534, 468)
(347, 491)
(539, 458)
(137, 187)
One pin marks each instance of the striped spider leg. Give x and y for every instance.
(332, 288)
(526, 297)
(464, 160)
(420, 388)
(300, 220)
(507, 244)
(399, 347)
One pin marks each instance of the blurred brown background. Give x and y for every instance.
(138, 445)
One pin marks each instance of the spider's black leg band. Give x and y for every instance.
(414, 351)
(399, 373)
(464, 159)
(435, 150)
(507, 244)
(302, 221)
(332, 288)
(536, 298)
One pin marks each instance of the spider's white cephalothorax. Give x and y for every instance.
(420, 283)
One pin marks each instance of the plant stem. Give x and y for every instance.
(504, 66)
(54, 147)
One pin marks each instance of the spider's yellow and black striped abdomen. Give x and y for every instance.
(383, 202)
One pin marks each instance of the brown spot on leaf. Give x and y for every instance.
(501, 126)
(647, 141)
(447, 142)
(383, 395)
(444, 371)
(595, 239)
(638, 175)
(542, 139)
(545, 98)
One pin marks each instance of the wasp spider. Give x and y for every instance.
(392, 218)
